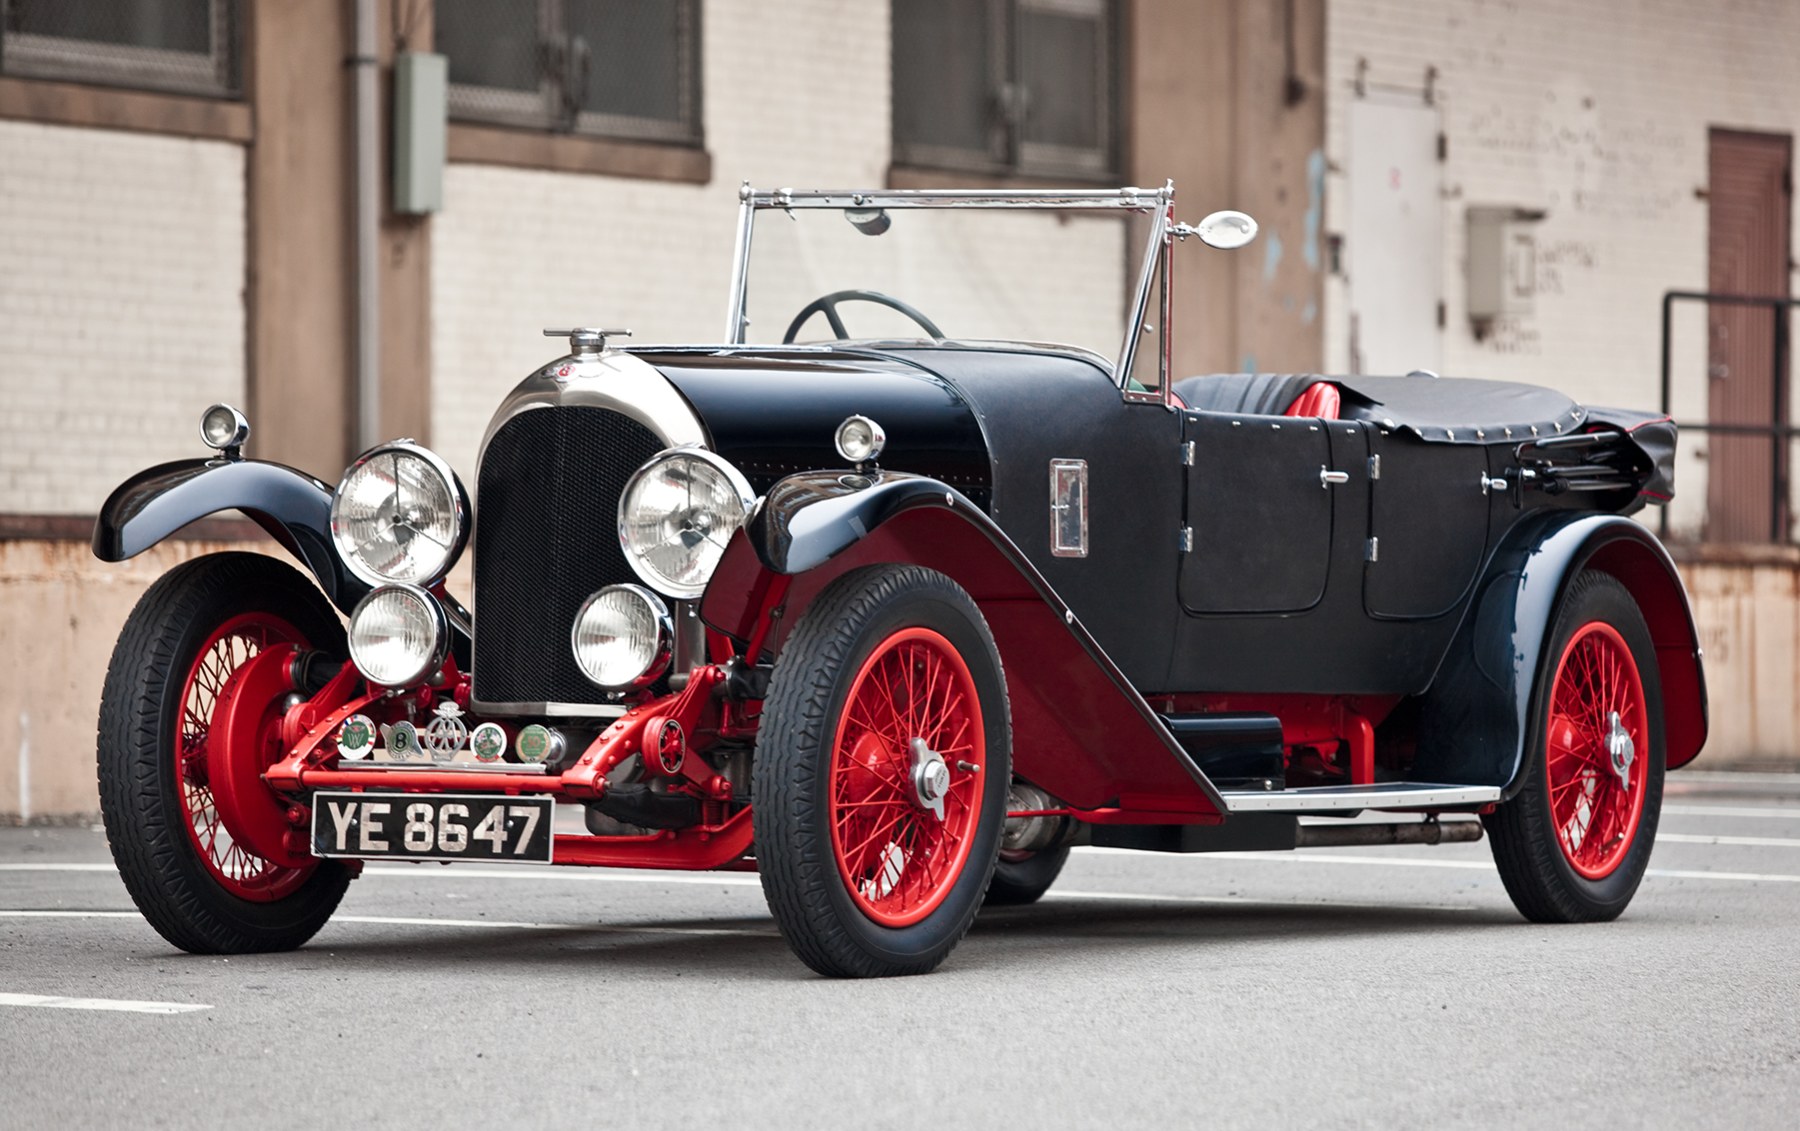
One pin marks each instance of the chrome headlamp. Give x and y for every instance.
(399, 515)
(675, 516)
(623, 637)
(399, 635)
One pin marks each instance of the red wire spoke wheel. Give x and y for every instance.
(898, 858)
(1573, 843)
(881, 773)
(1596, 784)
(181, 667)
(231, 645)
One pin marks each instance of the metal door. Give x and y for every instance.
(1748, 210)
(1396, 236)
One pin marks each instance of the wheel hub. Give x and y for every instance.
(930, 777)
(1620, 749)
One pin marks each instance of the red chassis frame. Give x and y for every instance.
(297, 746)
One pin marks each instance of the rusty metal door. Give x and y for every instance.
(1748, 196)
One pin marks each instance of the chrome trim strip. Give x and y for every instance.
(1390, 795)
(614, 380)
(1128, 198)
(450, 767)
(549, 710)
(1153, 259)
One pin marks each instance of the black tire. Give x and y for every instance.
(141, 796)
(1533, 864)
(814, 906)
(1026, 880)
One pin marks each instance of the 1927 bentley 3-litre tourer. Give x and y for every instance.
(896, 619)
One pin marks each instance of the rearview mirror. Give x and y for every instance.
(1224, 230)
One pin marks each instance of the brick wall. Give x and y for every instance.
(1598, 114)
(121, 305)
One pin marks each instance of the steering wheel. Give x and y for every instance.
(828, 304)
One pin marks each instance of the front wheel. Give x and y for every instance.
(1573, 844)
(160, 756)
(879, 782)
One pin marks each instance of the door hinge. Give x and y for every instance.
(1375, 467)
(1184, 539)
(1187, 454)
(1443, 147)
(1372, 550)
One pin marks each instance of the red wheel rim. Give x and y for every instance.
(1596, 750)
(235, 868)
(896, 858)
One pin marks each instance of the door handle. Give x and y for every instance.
(1328, 477)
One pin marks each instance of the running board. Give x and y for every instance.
(1388, 795)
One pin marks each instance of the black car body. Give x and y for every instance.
(1170, 613)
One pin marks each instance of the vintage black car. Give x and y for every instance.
(896, 620)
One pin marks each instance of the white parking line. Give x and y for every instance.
(42, 1001)
(1749, 841)
(1476, 865)
(1792, 814)
(51, 867)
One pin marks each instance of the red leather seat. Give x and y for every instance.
(1321, 399)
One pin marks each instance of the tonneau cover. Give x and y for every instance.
(1460, 409)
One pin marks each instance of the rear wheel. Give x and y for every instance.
(1573, 844)
(877, 812)
(160, 758)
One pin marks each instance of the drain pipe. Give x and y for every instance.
(368, 231)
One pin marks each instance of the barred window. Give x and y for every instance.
(181, 46)
(1006, 86)
(617, 68)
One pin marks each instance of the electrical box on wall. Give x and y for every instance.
(421, 91)
(1502, 263)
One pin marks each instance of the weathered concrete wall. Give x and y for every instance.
(1748, 612)
(60, 612)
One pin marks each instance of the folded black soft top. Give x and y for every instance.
(1461, 410)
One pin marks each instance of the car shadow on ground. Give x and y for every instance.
(751, 947)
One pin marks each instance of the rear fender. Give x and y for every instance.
(1475, 719)
(1080, 731)
(293, 507)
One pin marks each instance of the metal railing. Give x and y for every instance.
(1779, 431)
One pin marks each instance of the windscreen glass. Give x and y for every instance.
(1052, 276)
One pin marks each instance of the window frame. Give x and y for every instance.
(215, 74)
(1008, 154)
(547, 111)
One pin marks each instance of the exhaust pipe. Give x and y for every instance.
(1421, 832)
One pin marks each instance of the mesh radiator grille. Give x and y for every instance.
(546, 536)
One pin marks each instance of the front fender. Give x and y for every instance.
(1475, 719)
(1080, 730)
(292, 506)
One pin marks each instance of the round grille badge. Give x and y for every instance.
(402, 742)
(356, 739)
(534, 743)
(488, 741)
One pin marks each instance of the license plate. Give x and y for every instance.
(437, 826)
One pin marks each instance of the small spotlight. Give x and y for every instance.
(860, 439)
(224, 429)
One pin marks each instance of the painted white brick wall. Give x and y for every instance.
(121, 305)
(796, 94)
(1596, 112)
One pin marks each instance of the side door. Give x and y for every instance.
(1263, 493)
(1428, 518)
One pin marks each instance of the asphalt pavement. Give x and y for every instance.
(1366, 987)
